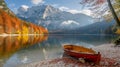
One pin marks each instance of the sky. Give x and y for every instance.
(72, 6)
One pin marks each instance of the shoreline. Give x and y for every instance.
(110, 57)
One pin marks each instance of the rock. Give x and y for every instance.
(82, 60)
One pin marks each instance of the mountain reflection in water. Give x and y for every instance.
(17, 50)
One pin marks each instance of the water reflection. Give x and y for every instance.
(19, 50)
(11, 44)
(84, 40)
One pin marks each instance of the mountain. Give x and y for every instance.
(53, 18)
(10, 24)
(102, 27)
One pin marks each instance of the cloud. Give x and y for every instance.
(25, 7)
(87, 12)
(36, 2)
(63, 8)
(55, 5)
(74, 11)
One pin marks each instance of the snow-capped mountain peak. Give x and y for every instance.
(53, 18)
(69, 22)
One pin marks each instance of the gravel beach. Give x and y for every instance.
(110, 58)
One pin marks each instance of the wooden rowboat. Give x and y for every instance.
(82, 52)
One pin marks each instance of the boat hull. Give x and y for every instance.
(90, 57)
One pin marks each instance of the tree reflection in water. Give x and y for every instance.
(11, 44)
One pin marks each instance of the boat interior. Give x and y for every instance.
(80, 49)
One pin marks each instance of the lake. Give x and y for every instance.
(17, 50)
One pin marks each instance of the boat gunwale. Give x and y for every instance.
(70, 50)
(81, 52)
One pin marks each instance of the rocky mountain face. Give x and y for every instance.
(53, 18)
(4, 7)
(61, 22)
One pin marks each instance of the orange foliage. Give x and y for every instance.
(16, 24)
(1, 20)
(45, 31)
(12, 25)
(6, 22)
(31, 28)
(1, 24)
(10, 45)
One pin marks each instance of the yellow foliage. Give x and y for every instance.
(18, 32)
(24, 30)
(9, 45)
(19, 38)
(25, 39)
(118, 31)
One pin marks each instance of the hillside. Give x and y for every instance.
(4, 7)
(95, 28)
(10, 24)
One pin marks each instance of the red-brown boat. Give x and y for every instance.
(82, 52)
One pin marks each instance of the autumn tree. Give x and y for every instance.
(100, 8)
(117, 7)
(10, 24)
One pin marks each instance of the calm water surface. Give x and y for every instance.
(17, 50)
